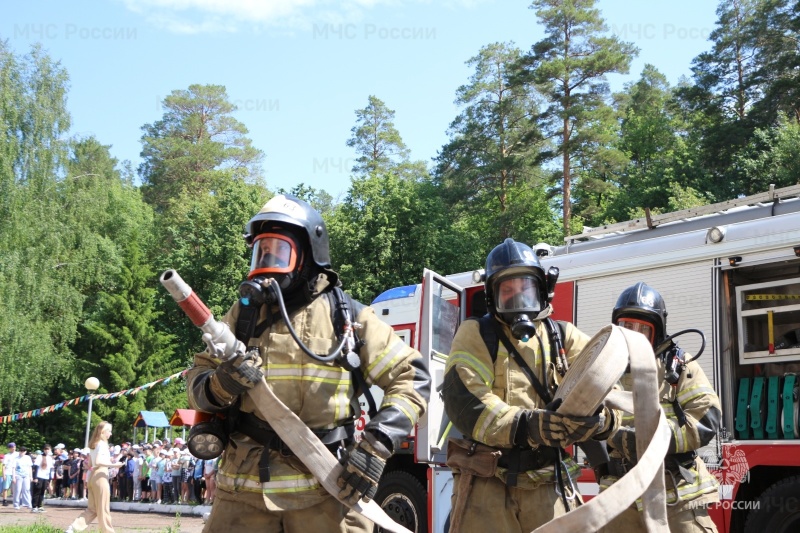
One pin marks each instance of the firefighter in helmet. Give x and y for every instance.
(261, 484)
(693, 413)
(500, 378)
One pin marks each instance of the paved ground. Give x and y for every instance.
(61, 517)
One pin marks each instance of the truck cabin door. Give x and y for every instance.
(443, 307)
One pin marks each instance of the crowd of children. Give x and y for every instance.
(157, 472)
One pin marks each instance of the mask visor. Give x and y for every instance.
(639, 326)
(273, 254)
(517, 294)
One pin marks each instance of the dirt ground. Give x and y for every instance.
(61, 517)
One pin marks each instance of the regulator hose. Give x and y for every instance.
(270, 284)
(667, 343)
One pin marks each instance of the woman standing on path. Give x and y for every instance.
(99, 492)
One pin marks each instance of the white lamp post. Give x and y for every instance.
(91, 384)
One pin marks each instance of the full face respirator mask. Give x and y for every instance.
(517, 301)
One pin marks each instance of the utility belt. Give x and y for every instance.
(677, 464)
(262, 433)
(518, 460)
(483, 461)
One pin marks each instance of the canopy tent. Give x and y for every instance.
(150, 419)
(187, 418)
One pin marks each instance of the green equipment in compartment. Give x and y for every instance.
(742, 427)
(757, 408)
(773, 407)
(788, 406)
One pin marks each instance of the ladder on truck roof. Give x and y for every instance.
(652, 221)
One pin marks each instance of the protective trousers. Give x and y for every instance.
(494, 506)
(99, 505)
(246, 511)
(686, 517)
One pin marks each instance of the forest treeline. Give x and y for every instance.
(540, 148)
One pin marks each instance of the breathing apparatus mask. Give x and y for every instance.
(518, 303)
(277, 254)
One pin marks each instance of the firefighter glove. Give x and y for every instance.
(546, 427)
(237, 375)
(624, 441)
(363, 467)
(583, 428)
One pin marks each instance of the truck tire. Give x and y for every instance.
(404, 499)
(778, 509)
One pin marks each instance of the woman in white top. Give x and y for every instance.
(99, 489)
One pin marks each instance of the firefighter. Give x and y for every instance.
(261, 485)
(499, 380)
(693, 413)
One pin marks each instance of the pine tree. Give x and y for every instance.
(571, 64)
(490, 169)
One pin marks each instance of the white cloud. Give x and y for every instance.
(207, 16)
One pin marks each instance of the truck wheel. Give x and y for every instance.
(778, 509)
(404, 499)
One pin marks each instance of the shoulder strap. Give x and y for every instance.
(540, 389)
(486, 324)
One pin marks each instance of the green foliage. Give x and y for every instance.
(650, 137)
(371, 235)
(771, 157)
(38, 273)
(742, 86)
(776, 26)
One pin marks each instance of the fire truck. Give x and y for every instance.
(731, 270)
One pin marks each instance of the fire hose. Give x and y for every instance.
(292, 431)
(587, 384)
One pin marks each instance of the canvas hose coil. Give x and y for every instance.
(586, 386)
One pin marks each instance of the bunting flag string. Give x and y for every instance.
(76, 401)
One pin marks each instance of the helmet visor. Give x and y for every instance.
(639, 326)
(517, 294)
(273, 254)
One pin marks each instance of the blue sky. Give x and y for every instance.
(298, 69)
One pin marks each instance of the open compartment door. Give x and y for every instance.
(442, 310)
